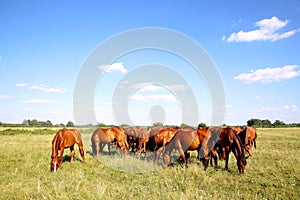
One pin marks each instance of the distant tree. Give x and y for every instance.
(266, 123)
(25, 122)
(278, 123)
(61, 124)
(202, 125)
(182, 125)
(49, 123)
(158, 124)
(254, 122)
(70, 124)
(34, 123)
(125, 125)
(101, 125)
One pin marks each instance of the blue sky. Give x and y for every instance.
(254, 45)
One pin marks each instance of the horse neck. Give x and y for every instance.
(55, 146)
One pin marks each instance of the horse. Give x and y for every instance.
(187, 140)
(237, 129)
(62, 140)
(229, 141)
(248, 136)
(158, 141)
(103, 136)
(137, 138)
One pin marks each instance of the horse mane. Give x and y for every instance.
(241, 146)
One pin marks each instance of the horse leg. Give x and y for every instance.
(181, 152)
(72, 153)
(158, 152)
(226, 162)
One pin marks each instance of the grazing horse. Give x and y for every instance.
(186, 140)
(137, 138)
(248, 136)
(102, 136)
(62, 140)
(237, 129)
(228, 142)
(158, 141)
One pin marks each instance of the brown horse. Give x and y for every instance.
(186, 140)
(62, 140)
(228, 142)
(102, 136)
(237, 129)
(158, 141)
(137, 138)
(248, 136)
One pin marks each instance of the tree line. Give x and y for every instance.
(258, 123)
(36, 123)
(265, 123)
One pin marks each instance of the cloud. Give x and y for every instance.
(269, 75)
(153, 87)
(40, 101)
(44, 88)
(268, 29)
(5, 97)
(21, 84)
(154, 97)
(257, 97)
(115, 67)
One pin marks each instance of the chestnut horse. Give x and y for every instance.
(228, 142)
(62, 140)
(248, 136)
(158, 141)
(186, 140)
(102, 136)
(137, 138)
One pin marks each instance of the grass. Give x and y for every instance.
(273, 172)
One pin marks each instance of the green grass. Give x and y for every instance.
(273, 172)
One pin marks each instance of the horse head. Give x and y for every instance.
(242, 164)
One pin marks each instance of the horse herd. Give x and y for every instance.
(211, 144)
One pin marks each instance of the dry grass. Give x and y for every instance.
(273, 172)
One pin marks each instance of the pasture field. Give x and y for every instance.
(273, 172)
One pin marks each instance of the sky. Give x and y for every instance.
(254, 45)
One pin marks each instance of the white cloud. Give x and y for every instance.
(154, 97)
(257, 97)
(5, 97)
(44, 88)
(269, 75)
(268, 29)
(178, 87)
(115, 67)
(153, 87)
(21, 84)
(40, 101)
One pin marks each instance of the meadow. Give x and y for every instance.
(273, 172)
